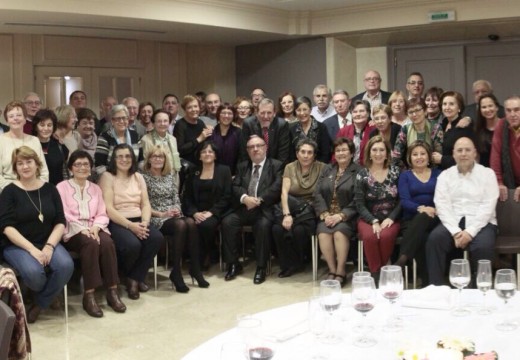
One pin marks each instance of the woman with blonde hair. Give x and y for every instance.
(66, 124)
(397, 103)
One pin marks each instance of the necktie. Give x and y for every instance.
(251, 189)
(266, 136)
(344, 122)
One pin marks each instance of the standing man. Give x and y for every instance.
(106, 110)
(273, 130)
(257, 95)
(323, 109)
(480, 88)
(343, 117)
(170, 104)
(465, 199)
(32, 104)
(132, 104)
(373, 93)
(78, 100)
(213, 101)
(415, 85)
(256, 189)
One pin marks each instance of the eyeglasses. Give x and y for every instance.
(33, 103)
(421, 83)
(156, 157)
(80, 165)
(255, 146)
(120, 118)
(373, 79)
(124, 157)
(414, 111)
(243, 108)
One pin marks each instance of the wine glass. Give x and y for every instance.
(505, 287)
(484, 282)
(391, 286)
(330, 300)
(361, 273)
(363, 300)
(459, 277)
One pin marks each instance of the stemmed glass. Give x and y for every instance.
(391, 286)
(330, 300)
(363, 300)
(484, 282)
(459, 277)
(505, 287)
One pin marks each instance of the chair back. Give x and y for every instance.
(7, 319)
(508, 216)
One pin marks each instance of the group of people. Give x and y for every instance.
(383, 165)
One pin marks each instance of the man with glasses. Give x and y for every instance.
(415, 85)
(373, 93)
(256, 189)
(32, 104)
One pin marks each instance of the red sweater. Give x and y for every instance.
(349, 131)
(496, 152)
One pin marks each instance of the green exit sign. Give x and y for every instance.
(438, 16)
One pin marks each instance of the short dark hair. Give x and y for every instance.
(302, 100)
(77, 92)
(343, 140)
(226, 106)
(85, 113)
(365, 103)
(416, 144)
(205, 144)
(160, 111)
(79, 154)
(41, 115)
(169, 95)
(457, 96)
(112, 167)
(307, 141)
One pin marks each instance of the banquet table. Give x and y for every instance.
(422, 328)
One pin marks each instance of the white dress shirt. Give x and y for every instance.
(321, 116)
(473, 195)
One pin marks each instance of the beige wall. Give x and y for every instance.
(372, 59)
(341, 66)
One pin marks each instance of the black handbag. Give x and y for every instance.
(300, 210)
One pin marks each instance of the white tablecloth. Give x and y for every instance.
(422, 328)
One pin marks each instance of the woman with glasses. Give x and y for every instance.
(382, 119)
(66, 125)
(118, 134)
(286, 109)
(226, 137)
(87, 234)
(129, 210)
(243, 109)
(420, 129)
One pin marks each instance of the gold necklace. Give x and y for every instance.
(40, 215)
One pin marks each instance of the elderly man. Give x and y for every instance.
(212, 101)
(106, 107)
(480, 88)
(256, 189)
(505, 149)
(170, 104)
(373, 93)
(273, 130)
(132, 104)
(343, 117)
(32, 104)
(78, 100)
(323, 108)
(257, 95)
(415, 85)
(465, 199)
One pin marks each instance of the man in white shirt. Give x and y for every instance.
(465, 199)
(323, 108)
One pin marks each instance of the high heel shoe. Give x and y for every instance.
(200, 279)
(178, 283)
(343, 280)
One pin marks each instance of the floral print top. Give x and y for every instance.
(163, 195)
(377, 200)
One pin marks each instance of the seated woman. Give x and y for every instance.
(487, 119)
(226, 136)
(359, 131)
(334, 205)
(243, 110)
(416, 190)
(15, 117)
(32, 222)
(168, 218)
(382, 118)
(66, 124)
(87, 131)
(377, 203)
(86, 233)
(307, 127)
(56, 154)
(292, 232)
(419, 129)
(128, 208)
(397, 102)
(285, 108)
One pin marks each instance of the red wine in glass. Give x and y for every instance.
(391, 295)
(261, 353)
(363, 308)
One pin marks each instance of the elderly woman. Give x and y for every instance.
(334, 206)
(66, 124)
(207, 197)
(433, 107)
(359, 131)
(377, 203)
(129, 210)
(190, 131)
(144, 124)
(87, 131)
(56, 154)
(416, 190)
(167, 216)
(119, 133)
(243, 109)
(452, 108)
(384, 126)
(15, 117)
(32, 221)
(86, 233)
(286, 109)
(226, 136)
(487, 119)
(419, 129)
(293, 230)
(160, 136)
(397, 103)
(307, 127)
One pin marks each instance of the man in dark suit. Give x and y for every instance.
(256, 189)
(273, 130)
(480, 88)
(373, 94)
(341, 102)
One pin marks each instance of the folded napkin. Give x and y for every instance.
(431, 297)
(287, 333)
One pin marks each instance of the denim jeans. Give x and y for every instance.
(46, 282)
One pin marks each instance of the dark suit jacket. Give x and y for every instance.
(5, 128)
(319, 132)
(344, 191)
(220, 196)
(332, 125)
(269, 185)
(385, 95)
(279, 139)
(395, 129)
